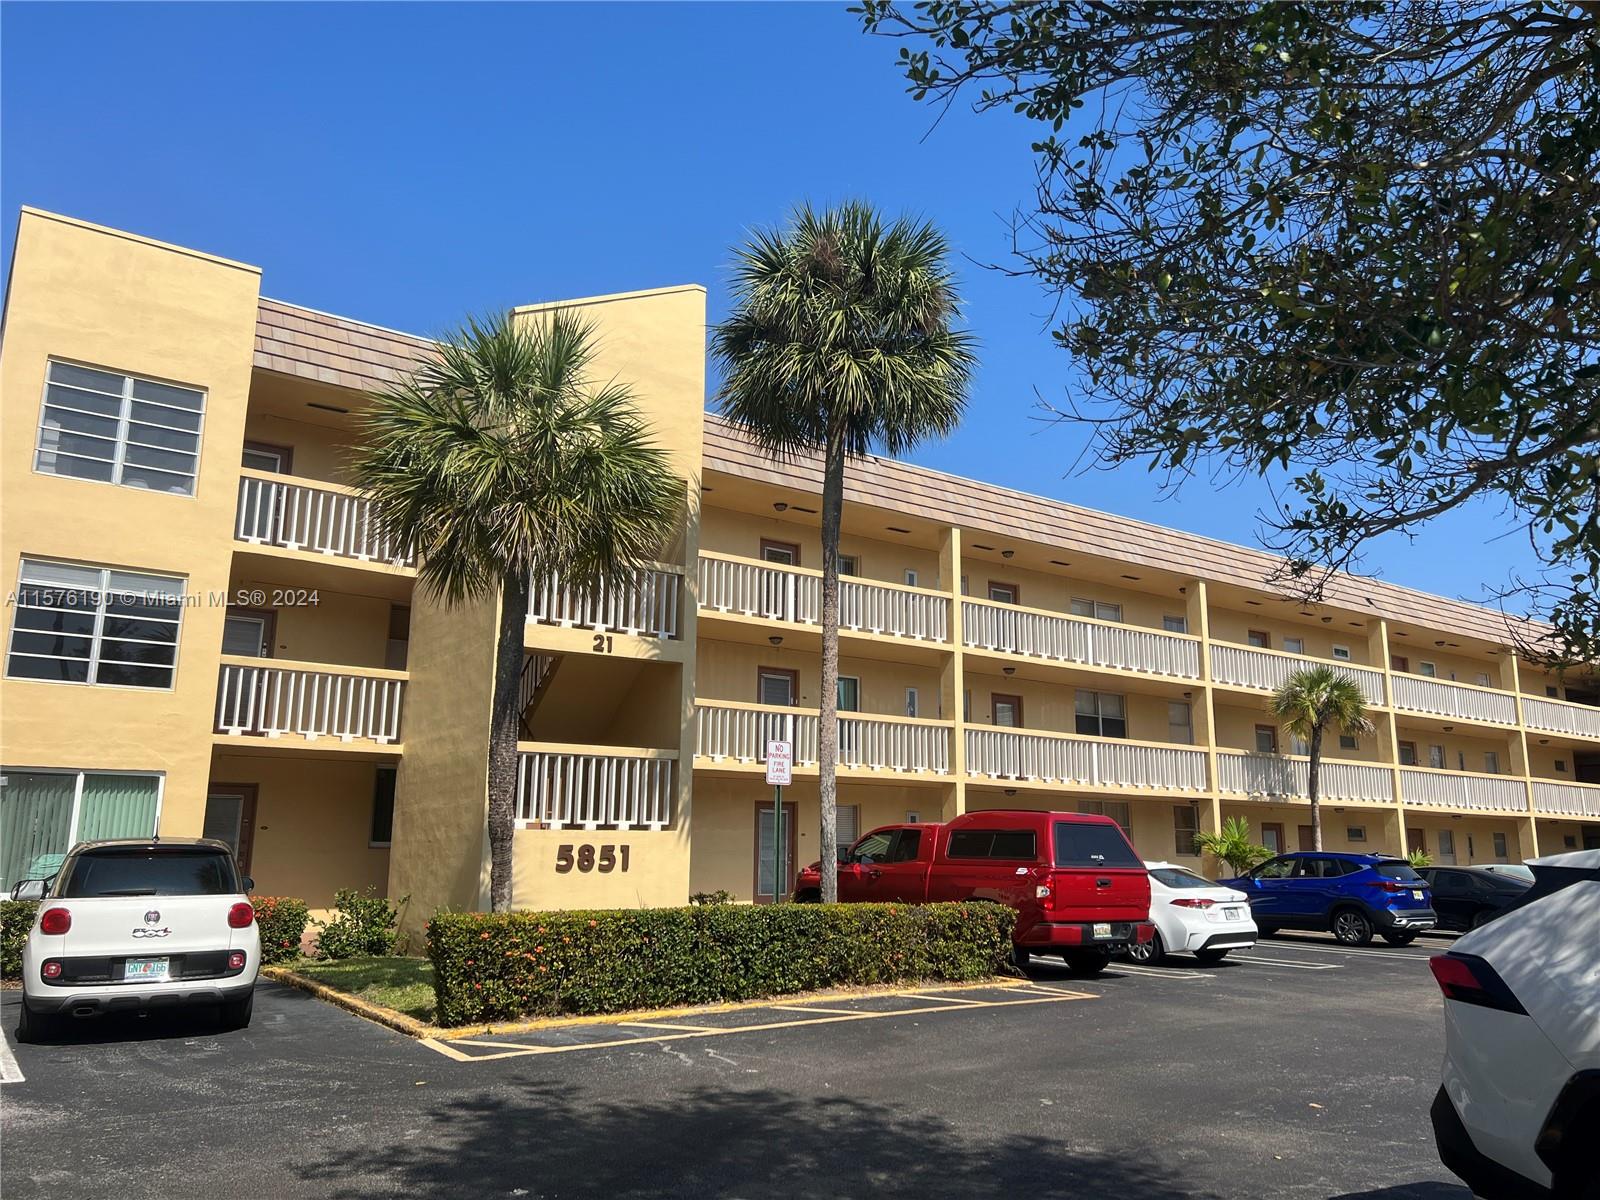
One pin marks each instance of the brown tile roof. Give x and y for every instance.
(333, 350)
(949, 499)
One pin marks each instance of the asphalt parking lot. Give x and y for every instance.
(1303, 1069)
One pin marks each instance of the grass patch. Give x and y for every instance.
(403, 984)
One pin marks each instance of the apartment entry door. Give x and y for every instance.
(763, 851)
(231, 818)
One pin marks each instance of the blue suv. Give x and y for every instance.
(1354, 895)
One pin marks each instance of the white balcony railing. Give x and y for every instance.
(559, 789)
(1416, 693)
(646, 604)
(301, 515)
(1560, 716)
(1011, 630)
(1429, 788)
(1244, 666)
(777, 593)
(271, 701)
(1275, 775)
(740, 733)
(1068, 759)
(1566, 799)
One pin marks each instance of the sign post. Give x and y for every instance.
(780, 773)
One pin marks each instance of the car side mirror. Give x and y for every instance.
(29, 889)
(249, 884)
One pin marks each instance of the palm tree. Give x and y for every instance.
(1233, 845)
(502, 463)
(840, 341)
(1308, 702)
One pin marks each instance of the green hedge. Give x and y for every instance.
(16, 918)
(281, 921)
(490, 966)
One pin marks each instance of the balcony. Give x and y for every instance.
(1275, 776)
(318, 518)
(739, 733)
(562, 787)
(1566, 799)
(1561, 716)
(768, 592)
(267, 698)
(1458, 701)
(1427, 787)
(1068, 759)
(644, 604)
(1007, 629)
(1267, 670)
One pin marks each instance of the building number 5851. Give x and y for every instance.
(586, 859)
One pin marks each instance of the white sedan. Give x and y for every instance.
(1518, 1111)
(1191, 913)
(137, 925)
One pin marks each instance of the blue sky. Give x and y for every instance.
(408, 164)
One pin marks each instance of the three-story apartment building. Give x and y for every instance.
(206, 634)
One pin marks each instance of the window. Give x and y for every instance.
(1119, 811)
(1085, 844)
(1175, 624)
(1491, 762)
(993, 843)
(1552, 691)
(1294, 645)
(130, 870)
(398, 647)
(906, 845)
(1428, 669)
(1266, 739)
(1342, 653)
(1185, 825)
(45, 813)
(1355, 833)
(1101, 714)
(966, 705)
(873, 848)
(1399, 662)
(1005, 710)
(776, 686)
(1408, 754)
(1461, 760)
(1180, 722)
(78, 624)
(1100, 610)
(913, 818)
(1348, 741)
(846, 824)
(261, 456)
(1447, 846)
(786, 553)
(1259, 638)
(248, 632)
(1561, 765)
(382, 807)
(119, 429)
(1436, 757)
(1298, 744)
(1277, 868)
(1482, 678)
(1500, 847)
(1272, 836)
(1002, 593)
(849, 564)
(911, 578)
(849, 693)
(1177, 877)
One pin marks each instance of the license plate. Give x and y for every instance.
(1230, 914)
(1415, 895)
(147, 970)
(1102, 929)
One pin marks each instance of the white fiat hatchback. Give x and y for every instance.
(1191, 913)
(139, 925)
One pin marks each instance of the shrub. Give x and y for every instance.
(364, 926)
(282, 921)
(498, 965)
(16, 918)
(720, 896)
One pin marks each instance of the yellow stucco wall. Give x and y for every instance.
(729, 531)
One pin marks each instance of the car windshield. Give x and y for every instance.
(146, 872)
(1399, 870)
(1177, 877)
(1091, 844)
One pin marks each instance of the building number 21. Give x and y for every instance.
(586, 860)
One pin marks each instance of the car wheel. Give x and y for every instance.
(809, 896)
(1087, 962)
(1399, 939)
(35, 1027)
(1479, 920)
(1020, 956)
(1351, 927)
(1210, 956)
(236, 1013)
(1148, 954)
(1266, 930)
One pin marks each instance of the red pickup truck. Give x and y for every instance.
(1078, 887)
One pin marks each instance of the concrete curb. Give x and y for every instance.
(412, 1027)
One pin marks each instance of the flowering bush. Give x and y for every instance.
(495, 965)
(281, 920)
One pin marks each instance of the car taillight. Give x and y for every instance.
(1391, 885)
(1188, 902)
(55, 920)
(1467, 978)
(51, 969)
(236, 960)
(241, 915)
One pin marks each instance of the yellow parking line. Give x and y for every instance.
(664, 1025)
(942, 999)
(838, 1012)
